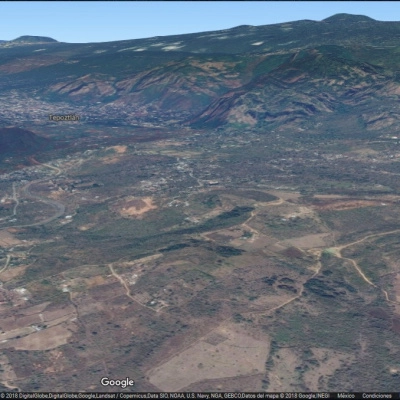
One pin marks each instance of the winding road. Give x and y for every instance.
(59, 207)
(8, 259)
(338, 253)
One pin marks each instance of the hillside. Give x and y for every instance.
(214, 212)
(21, 141)
(256, 76)
(26, 39)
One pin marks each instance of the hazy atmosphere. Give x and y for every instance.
(82, 22)
(200, 198)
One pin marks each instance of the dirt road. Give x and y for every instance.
(8, 259)
(26, 192)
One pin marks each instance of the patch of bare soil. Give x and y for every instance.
(46, 339)
(225, 235)
(226, 352)
(16, 230)
(86, 227)
(7, 239)
(255, 242)
(13, 272)
(248, 383)
(309, 241)
(56, 194)
(118, 149)
(34, 309)
(136, 207)
(287, 196)
(345, 205)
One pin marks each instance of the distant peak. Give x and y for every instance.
(348, 18)
(242, 27)
(33, 39)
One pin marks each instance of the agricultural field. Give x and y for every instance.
(132, 258)
(224, 215)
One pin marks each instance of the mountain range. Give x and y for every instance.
(247, 76)
(210, 212)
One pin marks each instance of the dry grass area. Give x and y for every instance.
(309, 241)
(118, 149)
(269, 302)
(46, 339)
(248, 383)
(286, 376)
(7, 374)
(80, 279)
(285, 195)
(27, 332)
(329, 361)
(13, 272)
(299, 211)
(136, 207)
(7, 239)
(140, 260)
(346, 205)
(226, 352)
(225, 235)
(283, 376)
(96, 281)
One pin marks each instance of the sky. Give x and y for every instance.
(102, 21)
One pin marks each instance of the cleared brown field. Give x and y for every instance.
(346, 205)
(309, 241)
(135, 207)
(50, 338)
(226, 352)
(7, 239)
